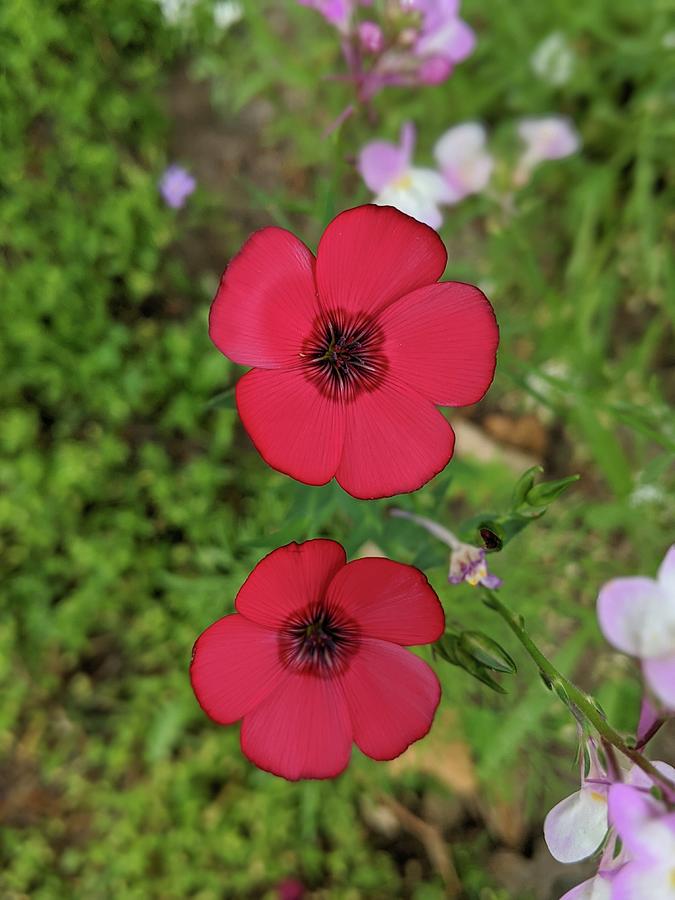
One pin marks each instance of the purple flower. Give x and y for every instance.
(176, 186)
(637, 615)
(467, 563)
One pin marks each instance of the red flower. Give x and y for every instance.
(353, 350)
(314, 659)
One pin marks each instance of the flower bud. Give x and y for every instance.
(370, 37)
(524, 485)
(487, 652)
(545, 493)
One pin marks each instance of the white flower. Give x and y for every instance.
(646, 495)
(553, 59)
(464, 162)
(552, 137)
(227, 13)
(416, 192)
(175, 11)
(576, 827)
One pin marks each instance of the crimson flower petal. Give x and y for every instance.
(392, 697)
(302, 730)
(266, 303)
(371, 255)
(235, 665)
(395, 442)
(442, 341)
(388, 600)
(296, 428)
(287, 579)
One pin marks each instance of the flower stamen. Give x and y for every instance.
(343, 355)
(318, 640)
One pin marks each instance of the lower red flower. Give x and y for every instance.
(314, 660)
(354, 350)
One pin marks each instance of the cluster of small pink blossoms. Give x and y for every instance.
(402, 42)
(464, 165)
(626, 814)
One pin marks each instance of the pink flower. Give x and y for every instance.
(637, 615)
(313, 659)
(443, 34)
(388, 171)
(650, 721)
(409, 42)
(647, 832)
(599, 887)
(353, 350)
(335, 12)
(578, 826)
(552, 137)
(434, 70)
(371, 37)
(291, 889)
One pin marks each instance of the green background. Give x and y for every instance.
(132, 505)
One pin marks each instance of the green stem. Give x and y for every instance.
(573, 696)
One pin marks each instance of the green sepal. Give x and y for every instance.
(524, 485)
(540, 497)
(487, 652)
(449, 647)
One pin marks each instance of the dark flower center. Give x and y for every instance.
(318, 639)
(344, 355)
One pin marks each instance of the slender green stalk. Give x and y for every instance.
(573, 696)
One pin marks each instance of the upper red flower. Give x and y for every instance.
(353, 350)
(314, 659)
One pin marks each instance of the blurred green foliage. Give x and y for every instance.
(131, 507)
